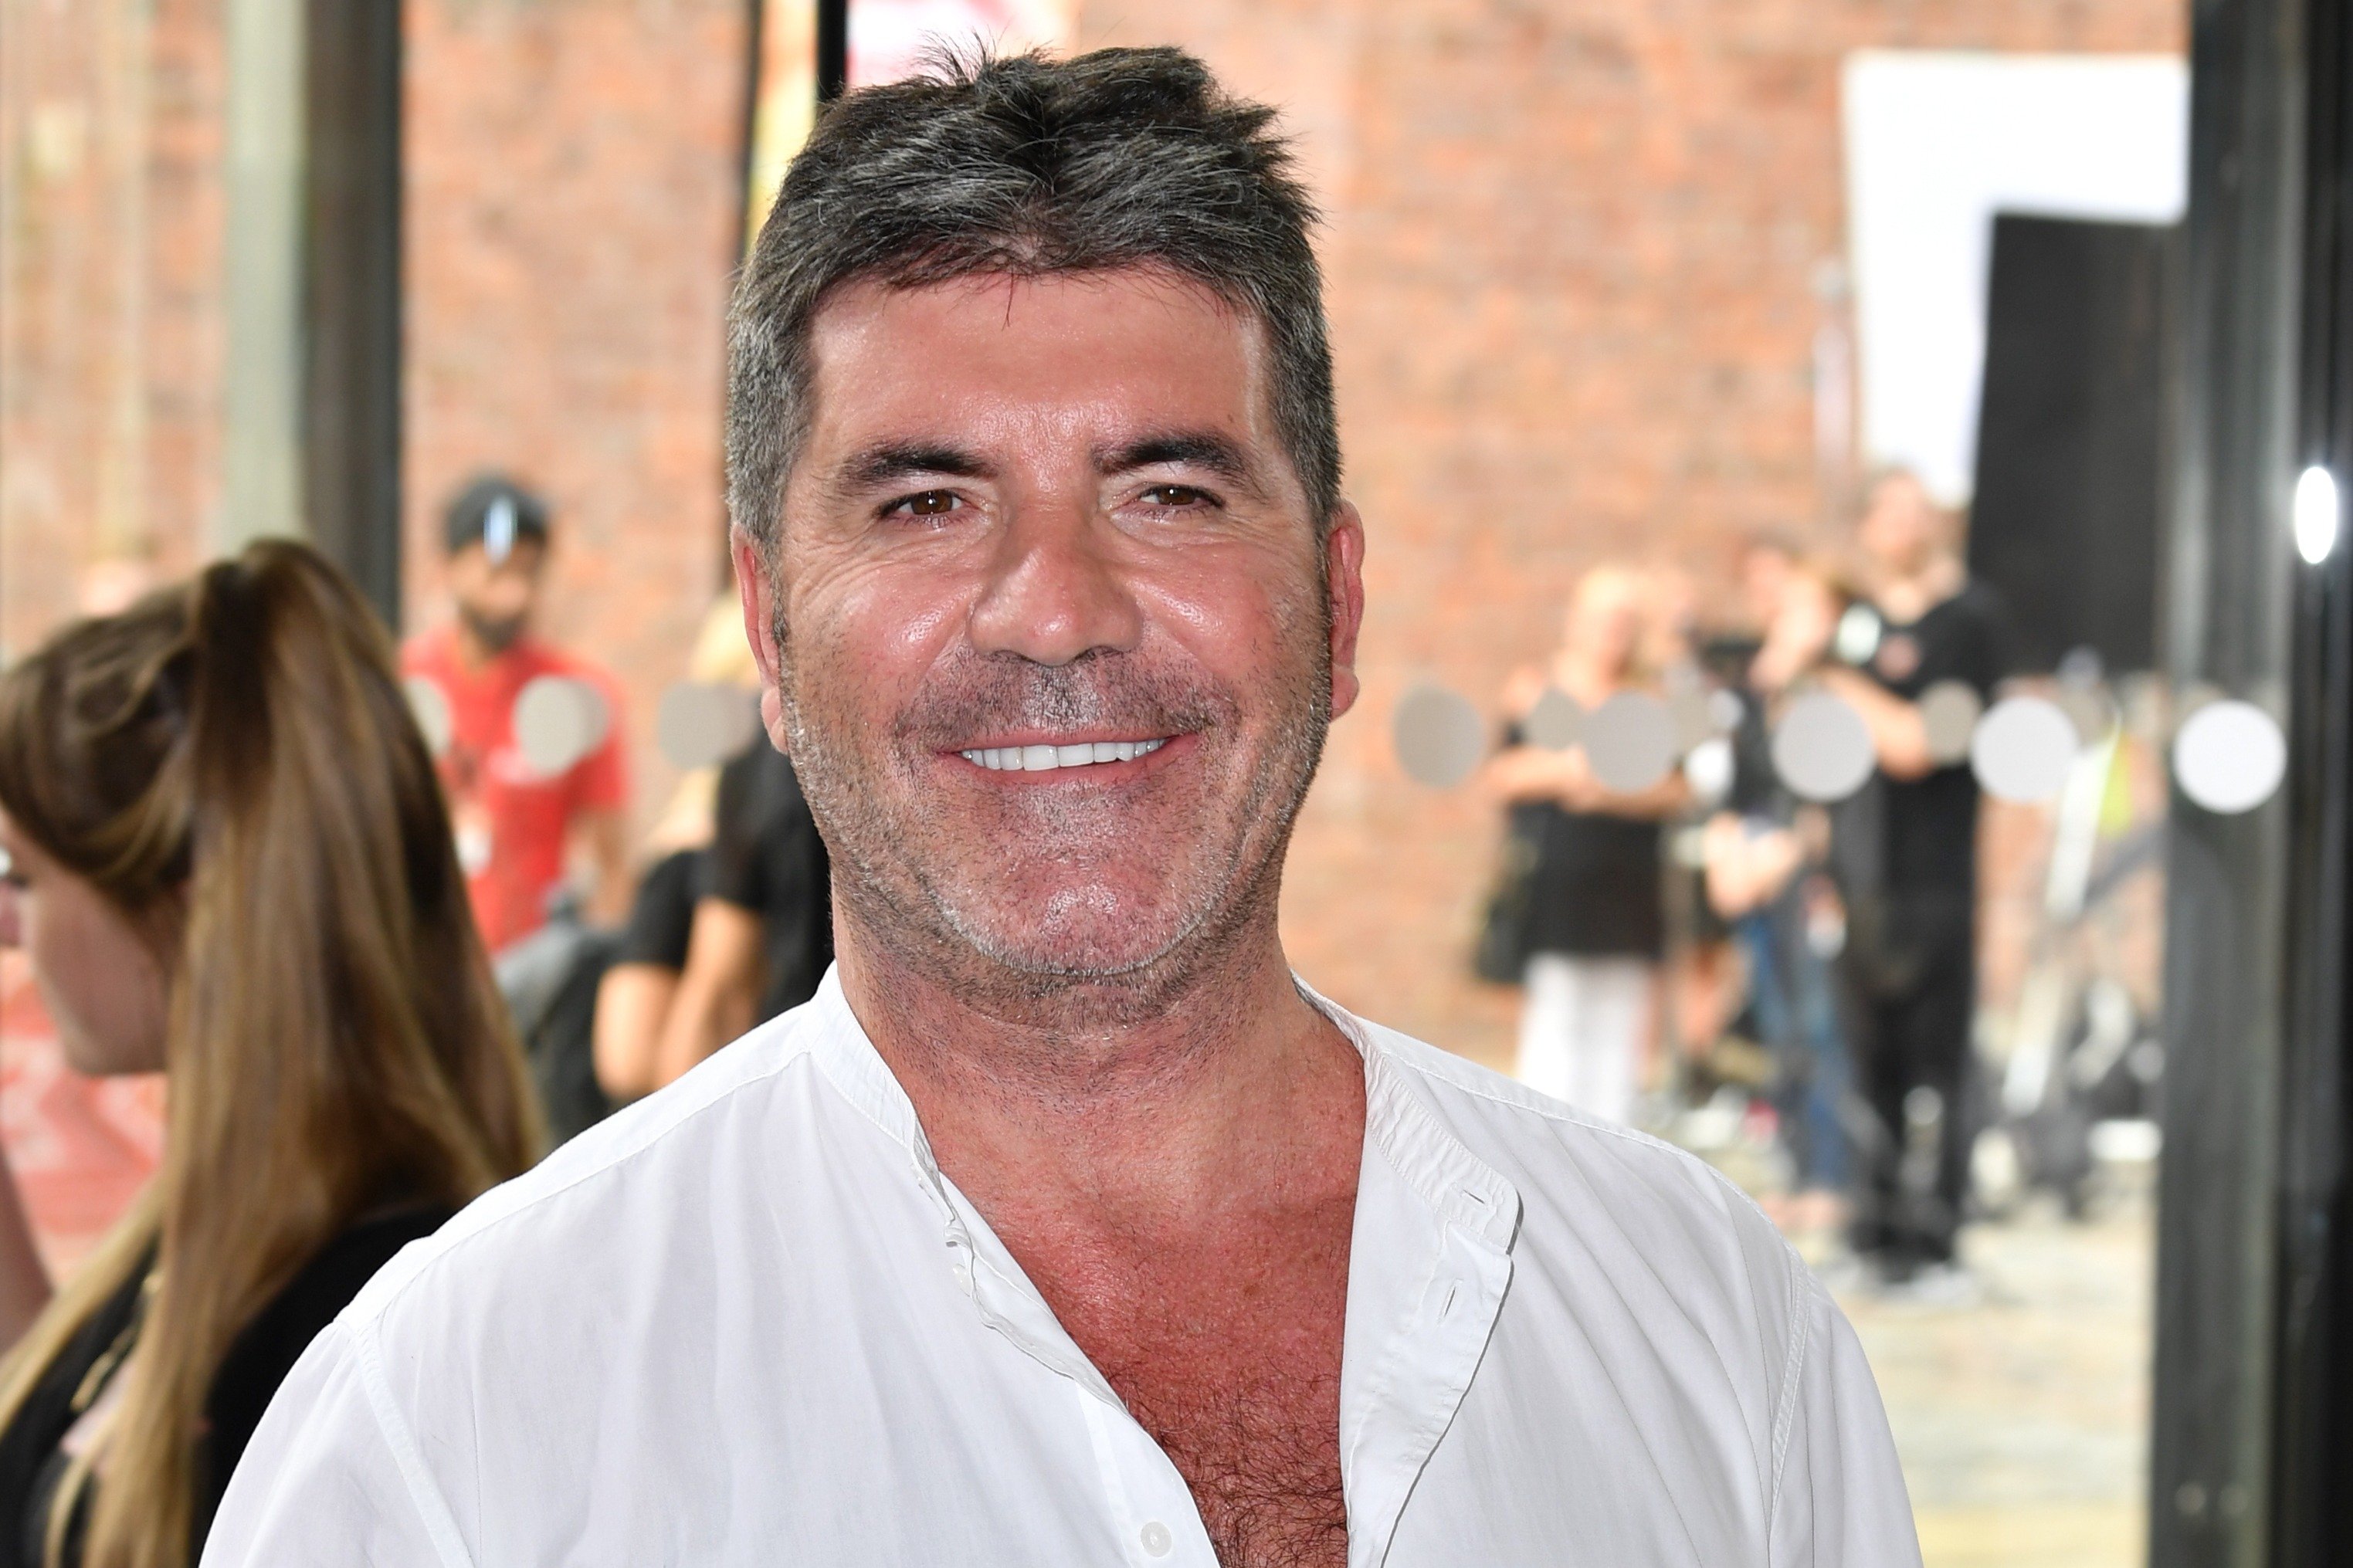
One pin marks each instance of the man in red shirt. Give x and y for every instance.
(528, 737)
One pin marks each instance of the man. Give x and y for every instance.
(1905, 854)
(524, 805)
(1063, 1226)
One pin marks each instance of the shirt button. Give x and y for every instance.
(1156, 1540)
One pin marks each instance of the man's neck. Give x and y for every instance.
(474, 655)
(1178, 1181)
(1231, 1086)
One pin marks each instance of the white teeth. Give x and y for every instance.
(1044, 759)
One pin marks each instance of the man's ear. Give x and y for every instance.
(757, 590)
(1344, 570)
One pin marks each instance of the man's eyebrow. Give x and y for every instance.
(1194, 448)
(894, 460)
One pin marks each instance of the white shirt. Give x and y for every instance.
(748, 1322)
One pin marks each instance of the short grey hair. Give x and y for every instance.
(1025, 166)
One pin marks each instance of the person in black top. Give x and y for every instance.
(227, 858)
(763, 930)
(637, 990)
(1595, 926)
(1904, 853)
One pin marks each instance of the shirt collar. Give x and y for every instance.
(1458, 1187)
(1455, 1184)
(1423, 1290)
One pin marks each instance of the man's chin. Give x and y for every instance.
(1099, 942)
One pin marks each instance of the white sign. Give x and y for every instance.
(1938, 143)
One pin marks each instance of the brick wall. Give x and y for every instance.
(111, 215)
(574, 170)
(1572, 248)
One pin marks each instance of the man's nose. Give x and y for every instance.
(1055, 591)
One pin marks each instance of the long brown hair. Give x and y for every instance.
(233, 763)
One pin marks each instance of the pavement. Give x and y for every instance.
(2022, 1416)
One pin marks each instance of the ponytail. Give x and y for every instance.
(335, 1040)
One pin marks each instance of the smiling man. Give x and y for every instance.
(1066, 1227)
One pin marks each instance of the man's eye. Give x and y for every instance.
(1174, 495)
(931, 503)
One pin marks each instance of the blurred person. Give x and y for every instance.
(1065, 1225)
(1767, 559)
(1907, 854)
(227, 860)
(636, 994)
(1760, 565)
(1595, 923)
(761, 935)
(1765, 855)
(518, 829)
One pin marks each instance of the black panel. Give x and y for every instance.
(2064, 522)
(351, 306)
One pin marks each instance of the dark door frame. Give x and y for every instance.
(2249, 1462)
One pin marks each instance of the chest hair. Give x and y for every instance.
(1258, 1443)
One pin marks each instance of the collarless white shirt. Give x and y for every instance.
(749, 1321)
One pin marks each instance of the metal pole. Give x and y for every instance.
(2216, 1457)
(352, 301)
(832, 49)
(262, 442)
(312, 437)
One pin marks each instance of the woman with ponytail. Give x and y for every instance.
(227, 858)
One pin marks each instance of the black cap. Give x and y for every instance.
(495, 512)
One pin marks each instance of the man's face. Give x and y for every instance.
(1899, 527)
(496, 599)
(1049, 624)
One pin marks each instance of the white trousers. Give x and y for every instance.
(1583, 1028)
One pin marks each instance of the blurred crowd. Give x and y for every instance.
(624, 966)
(1823, 926)
(374, 914)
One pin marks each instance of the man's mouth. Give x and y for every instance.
(1045, 759)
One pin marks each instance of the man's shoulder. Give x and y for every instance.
(608, 1200)
(1610, 1218)
(1511, 1107)
(1579, 1168)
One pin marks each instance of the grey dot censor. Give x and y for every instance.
(2229, 757)
(1438, 735)
(2023, 749)
(1823, 750)
(557, 722)
(1555, 721)
(1629, 741)
(431, 709)
(701, 724)
(1949, 712)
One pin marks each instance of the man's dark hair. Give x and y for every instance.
(1026, 166)
(495, 511)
